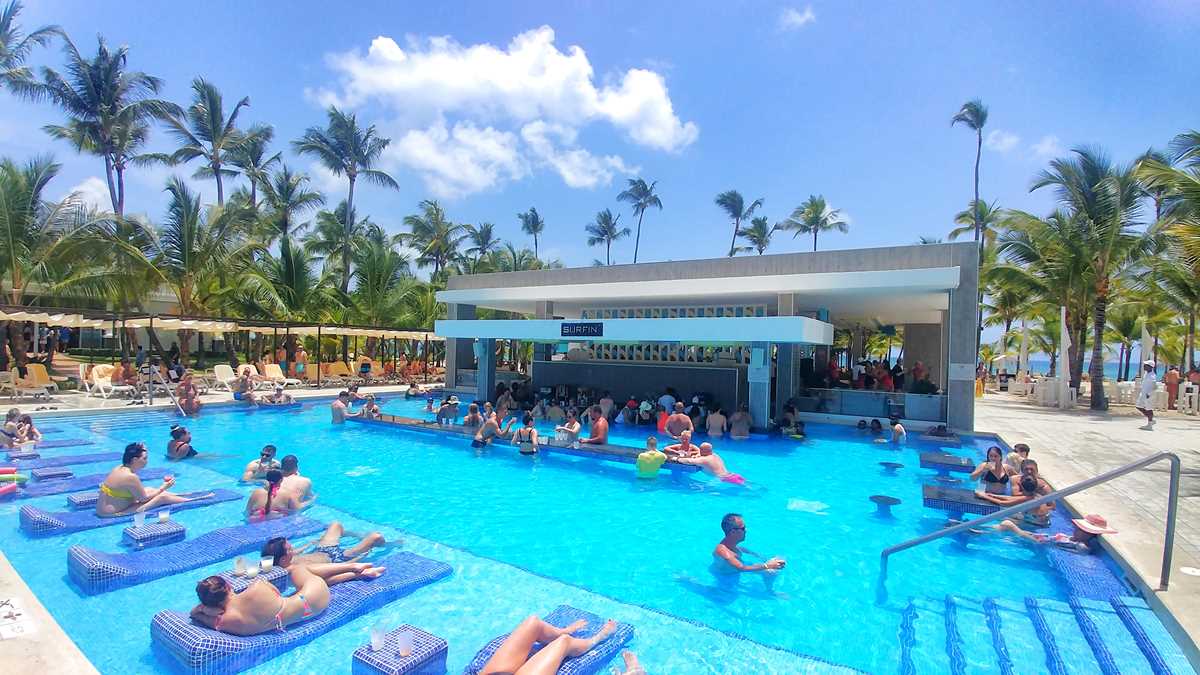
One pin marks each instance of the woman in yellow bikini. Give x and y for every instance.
(260, 608)
(122, 492)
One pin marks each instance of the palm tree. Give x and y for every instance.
(434, 236)
(334, 237)
(1049, 257)
(734, 205)
(380, 277)
(207, 133)
(1124, 328)
(925, 241)
(107, 108)
(974, 115)
(1107, 199)
(286, 197)
(15, 45)
(532, 224)
(347, 150)
(641, 196)
(758, 234)
(988, 216)
(1046, 339)
(509, 258)
(604, 230)
(815, 216)
(250, 156)
(483, 241)
(288, 287)
(42, 244)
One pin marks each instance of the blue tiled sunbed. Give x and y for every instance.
(98, 572)
(67, 460)
(956, 500)
(58, 487)
(944, 461)
(41, 523)
(587, 663)
(196, 649)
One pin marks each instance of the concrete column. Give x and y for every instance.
(821, 352)
(759, 379)
(485, 376)
(785, 357)
(961, 336)
(458, 351)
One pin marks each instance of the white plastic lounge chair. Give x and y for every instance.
(84, 381)
(259, 382)
(223, 377)
(103, 385)
(26, 386)
(275, 374)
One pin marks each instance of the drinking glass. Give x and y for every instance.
(378, 633)
(139, 518)
(404, 642)
(239, 566)
(164, 515)
(266, 564)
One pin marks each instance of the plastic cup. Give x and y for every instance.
(251, 572)
(139, 518)
(404, 642)
(239, 566)
(266, 564)
(164, 515)
(378, 633)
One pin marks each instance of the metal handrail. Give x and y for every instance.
(1172, 509)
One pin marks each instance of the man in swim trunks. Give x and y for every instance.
(340, 408)
(712, 464)
(739, 424)
(598, 433)
(648, 462)
(683, 448)
(678, 422)
(326, 550)
(491, 429)
(180, 445)
(716, 423)
(257, 469)
(279, 397)
(473, 418)
(730, 549)
(1082, 540)
(293, 482)
(243, 387)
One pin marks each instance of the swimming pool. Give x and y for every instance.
(527, 534)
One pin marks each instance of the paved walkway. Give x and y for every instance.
(1071, 446)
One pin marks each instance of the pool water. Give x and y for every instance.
(525, 534)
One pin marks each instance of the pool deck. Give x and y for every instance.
(1071, 446)
(43, 647)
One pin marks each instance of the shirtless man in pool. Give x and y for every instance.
(328, 559)
(712, 464)
(683, 448)
(730, 550)
(491, 429)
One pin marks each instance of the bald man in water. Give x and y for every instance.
(678, 422)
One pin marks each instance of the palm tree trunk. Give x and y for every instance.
(216, 167)
(975, 205)
(112, 187)
(814, 239)
(737, 225)
(638, 239)
(1097, 370)
(120, 191)
(254, 196)
(608, 252)
(348, 226)
(1190, 343)
(535, 246)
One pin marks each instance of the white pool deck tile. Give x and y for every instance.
(1071, 446)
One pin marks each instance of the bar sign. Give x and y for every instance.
(582, 329)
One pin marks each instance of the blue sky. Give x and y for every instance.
(780, 101)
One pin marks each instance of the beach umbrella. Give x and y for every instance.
(1064, 376)
(1147, 346)
(1023, 359)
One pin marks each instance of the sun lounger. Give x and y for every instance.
(67, 460)
(956, 500)
(196, 649)
(58, 487)
(52, 473)
(587, 663)
(98, 572)
(41, 523)
(63, 443)
(17, 455)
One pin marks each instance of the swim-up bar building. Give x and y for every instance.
(755, 330)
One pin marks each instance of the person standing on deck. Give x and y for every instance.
(1145, 399)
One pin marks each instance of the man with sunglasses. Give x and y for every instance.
(730, 551)
(257, 469)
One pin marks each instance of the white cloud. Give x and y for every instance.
(328, 183)
(478, 98)
(578, 167)
(793, 19)
(1048, 148)
(1001, 141)
(460, 160)
(93, 193)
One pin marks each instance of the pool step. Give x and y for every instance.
(965, 636)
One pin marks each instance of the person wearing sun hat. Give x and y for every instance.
(1145, 399)
(1083, 540)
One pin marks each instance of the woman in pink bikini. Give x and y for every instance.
(261, 607)
(269, 502)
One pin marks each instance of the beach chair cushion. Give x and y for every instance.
(37, 522)
(96, 572)
(587, 663)
(91, 481)
(197, 649)
(67, 460)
